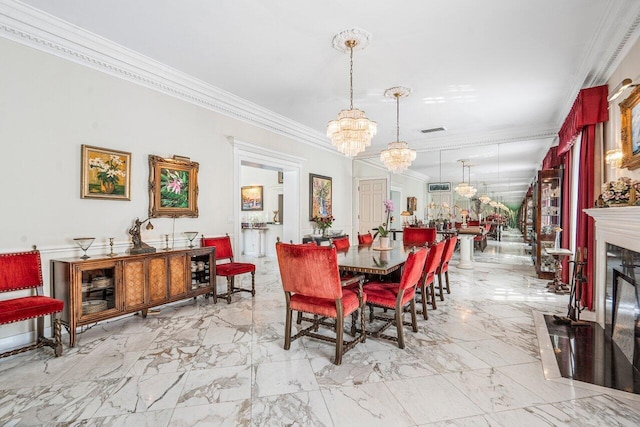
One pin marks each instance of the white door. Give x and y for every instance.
(372, 192)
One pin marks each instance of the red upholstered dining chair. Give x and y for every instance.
(311, 283)
(414, 236)
(396, 296)
(481, 241)
(229, 269)
(365, 239)
(341, 243)
(427, 283)
(449, 248)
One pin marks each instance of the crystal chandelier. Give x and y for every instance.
(351, 133)
(464, 189)
(484, 199)
(398, 156)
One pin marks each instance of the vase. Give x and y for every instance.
(384, 242)
(108, 187)
(324, 232)
(557, 241)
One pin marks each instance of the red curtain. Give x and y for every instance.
(585, 227)
(589, 108)
(566, 212)
(551, 160)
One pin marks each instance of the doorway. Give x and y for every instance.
(371, 194)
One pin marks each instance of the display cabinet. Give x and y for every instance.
(546, 219)
(527, 215)
(101, 288)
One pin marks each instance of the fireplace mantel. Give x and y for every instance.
(619, 226)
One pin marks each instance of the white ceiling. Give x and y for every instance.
(499, 75)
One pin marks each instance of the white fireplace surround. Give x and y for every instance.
(619, 226)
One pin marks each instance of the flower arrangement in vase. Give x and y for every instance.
(619, 193)
(323, 223)
(383, 229)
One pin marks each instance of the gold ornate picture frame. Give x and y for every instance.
(320, 196)
(106, 173)
(630, 130)
(173, 187)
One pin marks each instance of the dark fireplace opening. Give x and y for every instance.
(608, 356)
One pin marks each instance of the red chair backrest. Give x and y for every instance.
(309, 270)
(20, 270)
(448, 253)
(342, 243)
(418, 236)
(365, 239)
(222, 245)
(413, 268)
(433, 260)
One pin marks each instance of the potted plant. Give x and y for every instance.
(383, 229)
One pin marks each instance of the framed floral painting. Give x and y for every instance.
(320, 203)
(106, 173)
(173, 187)
(630, 131)
(251, 198)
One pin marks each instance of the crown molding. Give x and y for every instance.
(34, 28)
(611, 41)
(407, 173)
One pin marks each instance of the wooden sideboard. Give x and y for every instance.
(101, 288)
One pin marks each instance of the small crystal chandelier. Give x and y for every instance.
(398, 156)
(464, 189)
(351, 133)
(484, 199)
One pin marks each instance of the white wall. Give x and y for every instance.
(49, 107)
(629, 68)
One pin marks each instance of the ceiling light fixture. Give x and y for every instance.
(622, 86)
(464, 189)
(398, 156)
(351, 133)
(484, 199)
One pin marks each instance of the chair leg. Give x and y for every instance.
(299, 318)
(440, 287)
(287, 328)
(57, 335)
(40, 328)
(414, 320)
(339, 337)
(371, 313)
(446, 276)
(399, 327)
(423, 290)
(432, 290)
(253, 284)
(229, 288)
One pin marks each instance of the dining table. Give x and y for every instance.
(372, 259)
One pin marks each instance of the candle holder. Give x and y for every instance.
(191, 235)
(166, 242)
(84, 243)
(111, 253)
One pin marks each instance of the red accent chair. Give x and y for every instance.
(311, 282)
(449, 248)
(341, 243)
(427, 284)
(21, 271)
(365, 239)
(415, 236)
(395, 296)
(229, 269)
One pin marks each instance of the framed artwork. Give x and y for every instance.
(106, 174)
(251, 197)
(280, 177)
(630, 130)
(439, 187)
(173, 187)
(412, 204)
(320, 188)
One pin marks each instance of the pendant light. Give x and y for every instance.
(398, 156)
(352, 131)
(464, 189)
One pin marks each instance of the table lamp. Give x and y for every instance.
(405, 220)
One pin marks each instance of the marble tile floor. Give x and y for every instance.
(475, 362)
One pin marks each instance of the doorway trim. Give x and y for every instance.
(290, 166)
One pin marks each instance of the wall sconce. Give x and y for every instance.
(622, 86)
(613, 158)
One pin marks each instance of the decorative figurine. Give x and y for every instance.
(139, 247)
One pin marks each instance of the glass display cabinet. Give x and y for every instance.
(547, 219)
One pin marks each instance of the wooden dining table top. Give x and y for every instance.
(369, 259)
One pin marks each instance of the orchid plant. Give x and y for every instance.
(383, 229)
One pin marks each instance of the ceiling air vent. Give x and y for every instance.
(439, 129)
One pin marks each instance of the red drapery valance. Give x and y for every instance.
(589, 108)
(551, 160)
